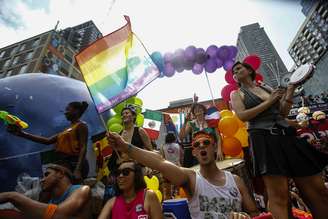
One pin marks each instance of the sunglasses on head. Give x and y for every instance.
(204, 142)
(124, 172)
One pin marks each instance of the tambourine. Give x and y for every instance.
(302, 74)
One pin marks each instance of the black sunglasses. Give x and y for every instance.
(204, 142)
(124, 172)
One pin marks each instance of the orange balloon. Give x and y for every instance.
(241, 124)
(241, 155)
(231, 146)
(225, 113)
(228, 126)
(182, 193)
(242, 136)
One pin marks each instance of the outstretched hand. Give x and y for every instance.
(117, 142)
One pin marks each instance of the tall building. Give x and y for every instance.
(252, 39)
(82, 35)
(47, 52)
(307, 6)
(310, 45)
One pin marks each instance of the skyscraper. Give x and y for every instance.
(307, 5)
(47, 52)
(310, 45)
(82, 35)
(252, 39)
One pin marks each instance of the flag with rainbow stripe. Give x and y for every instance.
(116, 67)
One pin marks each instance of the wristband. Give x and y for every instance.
(50, 211)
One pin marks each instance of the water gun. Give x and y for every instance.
(12, 120)
(103, 152)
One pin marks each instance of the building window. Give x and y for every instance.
(14, 50)
(2, 53)
(9, 72)
(23, 69)
(6, 63)
(23, 46)
(29, 55)
(15, 60)
(36, 42)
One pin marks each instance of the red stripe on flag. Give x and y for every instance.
(153, 135)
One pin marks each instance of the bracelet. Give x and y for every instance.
(50, 211)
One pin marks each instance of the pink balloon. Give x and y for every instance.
(226, 91)
(254, 61)
(229, 77)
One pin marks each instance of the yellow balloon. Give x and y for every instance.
(140, 120)
(242, 136)
(241, 124)
(117, 128)
(159, 195)
(225, 113)
(231, 146)
(228, 126)
(152, 183)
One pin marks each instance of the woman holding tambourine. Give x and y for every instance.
(277, 153)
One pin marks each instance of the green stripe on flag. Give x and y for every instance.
(154, 115)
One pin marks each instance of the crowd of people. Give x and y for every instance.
(291, 170)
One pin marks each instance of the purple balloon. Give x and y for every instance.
(219, 63)
(201, 56)
(228, 65)
(190, 53)
(168, 57)
(233, 52)
(178, 58)
(223, 53)
(212, 50)
(188, 64)
(210, 65)
(169, 70)
(197, 69)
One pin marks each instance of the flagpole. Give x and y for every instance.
(209, 86)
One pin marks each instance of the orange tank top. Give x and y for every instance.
(67, 141)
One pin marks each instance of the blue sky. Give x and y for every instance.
(163, 25)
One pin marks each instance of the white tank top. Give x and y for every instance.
(210, 201)
(172, 153)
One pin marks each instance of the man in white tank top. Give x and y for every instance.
(212, 193)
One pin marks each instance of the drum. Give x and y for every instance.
(176, 209)
(235, 166)
(302, 74)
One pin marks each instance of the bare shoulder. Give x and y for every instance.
(237, 94)
(82, 125)
(239, 182)
(151, 195)
(83, 193)
(142, 131)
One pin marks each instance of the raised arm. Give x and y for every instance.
(287, 101)
(153, 206)
(247, 201)
(248, 114)
(15, 130)
(176, 175)
(145, 139)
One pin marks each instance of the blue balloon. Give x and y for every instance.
(169, 70)
(223, 53)
(40, 100)
(158, 60)
(212, 50)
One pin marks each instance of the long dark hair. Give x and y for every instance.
(80, 106)
(139, 182)
(248, 67)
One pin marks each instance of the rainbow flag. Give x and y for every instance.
(116, 67)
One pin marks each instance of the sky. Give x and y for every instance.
(162, 25)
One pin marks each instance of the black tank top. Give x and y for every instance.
(135, 140)
(266, 119)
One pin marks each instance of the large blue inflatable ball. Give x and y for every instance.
(40, 100)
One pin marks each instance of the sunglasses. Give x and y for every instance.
(124, 172)
(204, 142)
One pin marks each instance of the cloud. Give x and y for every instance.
(9, 16)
